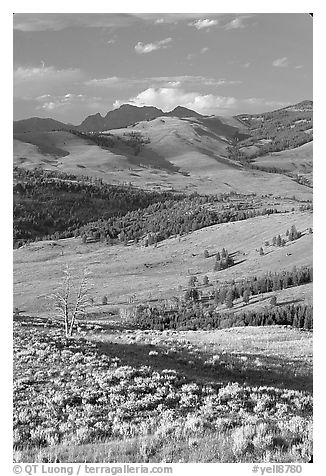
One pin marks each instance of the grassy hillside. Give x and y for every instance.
(274, 131)
(64, 151)
(170, 399)
(186, 155)
(50, 204)
(158, 272)
(298, 161)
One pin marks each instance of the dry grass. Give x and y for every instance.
(119, 272)
(128, 408)
(224, 447)
(201, 156)
(294, 160)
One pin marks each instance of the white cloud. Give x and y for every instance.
(22, 74)
(168, 98)
(203, 23)
(111, 81)
(173, 84)
(204, 50)
(29, 22)
(235, 23)
(192, 80)
(59, 21)
(281, 62)
(111, 42)
(299, 66)
(174, 17)
(246, 65)
(62, 103)
(159, 81)
(142, 48)
(265, 103)
(36, 80)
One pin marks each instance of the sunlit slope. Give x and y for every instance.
(199, 149)
(183, 154)
(65, 152)
(298, 160)
(119, 271)
(187, 143)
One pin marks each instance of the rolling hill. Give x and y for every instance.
(298, 160)
(179, 150)
(38, 124)
(274, 131)
(124, 116)
(156, 272)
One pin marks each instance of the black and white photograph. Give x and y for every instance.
(162, 240)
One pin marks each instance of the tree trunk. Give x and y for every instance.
(66, 321)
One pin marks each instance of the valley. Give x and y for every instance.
(193, 266)
(181, 153)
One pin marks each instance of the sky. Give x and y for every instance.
(68, 66)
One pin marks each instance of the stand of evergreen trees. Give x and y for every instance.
(193, 316)
(264, 284)
(223, 260)
(194, 312)
(168, 218)
(132, 140)
(52, 205)
(282, 129)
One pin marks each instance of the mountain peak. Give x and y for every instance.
(180, 111)
(125, 107)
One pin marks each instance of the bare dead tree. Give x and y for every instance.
(72, 299)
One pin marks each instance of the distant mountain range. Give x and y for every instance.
(179, 149)
(124, 116)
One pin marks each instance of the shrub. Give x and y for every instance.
(246, 296)
(192, 281)
(273, 301)
(127, 314)
(192, 294)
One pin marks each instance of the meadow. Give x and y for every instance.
(163, 271)
(95, 400)
(114, 392)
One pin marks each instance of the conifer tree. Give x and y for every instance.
(217, 266)
(192, 281)
(246, 296)
(273, 301)
(222, 295)
(229, 298)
